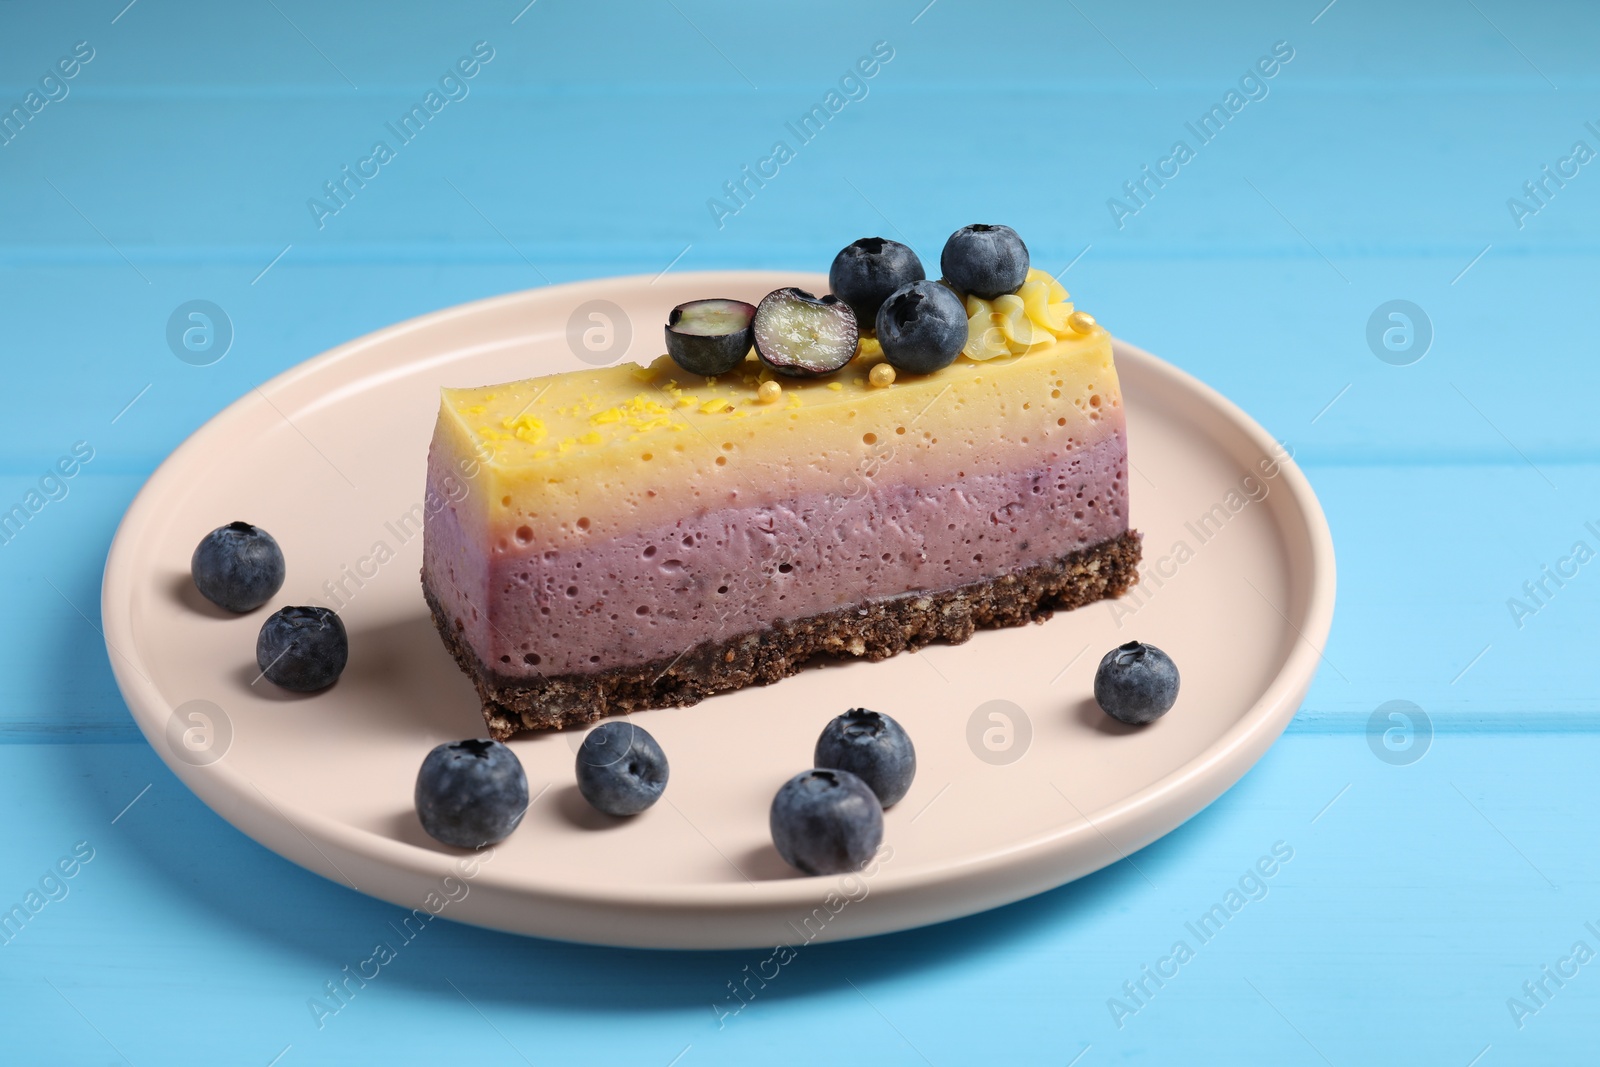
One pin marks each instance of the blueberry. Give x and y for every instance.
(471, 793)
(302, 648)
(805, 336)
(1136, 683)
(710, 336)
(922, 327)
(874, 748)
(238, 567)
(621, 769)
(865, 272)
(826, 822)
(986, 261)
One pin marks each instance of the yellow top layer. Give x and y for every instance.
(584, 448)
(564, 413)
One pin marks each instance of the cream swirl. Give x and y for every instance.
(1011, 324)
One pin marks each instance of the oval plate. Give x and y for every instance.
(1022, 785)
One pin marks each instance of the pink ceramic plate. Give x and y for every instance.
(1022, 783)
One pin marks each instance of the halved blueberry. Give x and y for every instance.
(804, 336)
(922, 327)
(865, 272)
(985, 261)
(710, 336)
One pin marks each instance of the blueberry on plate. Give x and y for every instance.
(621, 769)
(874, 748)
(710, 336)
(826, 822)
(922, 327)
(302, 648)
(865, 272)
(805, 336)
(1136, 683)
(471, 793)
(237, 567)
(986, 261)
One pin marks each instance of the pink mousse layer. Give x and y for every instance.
(734, 570)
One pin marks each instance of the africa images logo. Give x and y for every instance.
(53, 87)
(453, 87)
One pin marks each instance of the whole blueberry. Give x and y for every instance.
(1136, 683)
(986, 261)
(874, 748)
(922, 327)
(826, 822)
(302, 648)
(865, 272)
(471, 793)
(621, 769)
(238, 567)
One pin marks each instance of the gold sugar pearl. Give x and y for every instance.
(1081, 322)
(768, 392)
(881, 375)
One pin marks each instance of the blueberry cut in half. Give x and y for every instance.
(621, 768)
(922, 327)
(302, 648)
(238, 567)
(471, 793)
(710, 336)
(986, 261)
(805, 336)
(865, 272)
(874, 748)
(826, 822)
(1136, 683)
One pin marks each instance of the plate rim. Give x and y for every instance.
(1211, 772)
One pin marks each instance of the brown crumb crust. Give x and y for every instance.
(873, 630)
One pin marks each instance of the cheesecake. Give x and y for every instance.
(639, 536)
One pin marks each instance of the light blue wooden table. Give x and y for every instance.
(1437, 890)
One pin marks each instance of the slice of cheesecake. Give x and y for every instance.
(634, 537)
